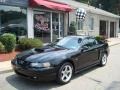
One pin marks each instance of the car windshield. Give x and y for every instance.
(69, 42)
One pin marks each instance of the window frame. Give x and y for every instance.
(91, 23)
(80, 25)
(87, 42)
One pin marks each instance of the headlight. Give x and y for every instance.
(42, 65)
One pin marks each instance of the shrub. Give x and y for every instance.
(99, 38)
(2, 48)
(29, 43)
(72, 28)
(9, 41)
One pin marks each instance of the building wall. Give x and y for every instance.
(109, 19)
(86, 28)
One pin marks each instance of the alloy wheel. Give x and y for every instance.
(104, 59)
(65, 73)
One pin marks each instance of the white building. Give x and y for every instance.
(50, 19)
(97, 21)
(44, 19)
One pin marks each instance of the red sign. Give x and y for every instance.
(41, 22)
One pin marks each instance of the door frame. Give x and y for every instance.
(105, 33)
(112, 29)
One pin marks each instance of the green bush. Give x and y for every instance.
(72, 28)
(100, 38)
(2, 48)
(9, 41)
(29, 43)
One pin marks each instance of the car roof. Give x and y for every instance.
(81, 36)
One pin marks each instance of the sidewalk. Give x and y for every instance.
(113, 41)
(5, 66)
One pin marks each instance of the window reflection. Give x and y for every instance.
(13, 20)
(62, 25)
(42, 26)
(55, 25)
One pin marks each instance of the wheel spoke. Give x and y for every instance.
(69, 71)
(64, 77)
(63, 72)
(66, 68)
(68, 74)
(104, 59)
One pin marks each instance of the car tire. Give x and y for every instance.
(103, 59)
(65, 73)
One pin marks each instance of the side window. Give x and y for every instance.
(85, 43)
(92, 42)
(89, 43)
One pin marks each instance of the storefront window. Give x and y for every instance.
(42, 26)
(13, 20)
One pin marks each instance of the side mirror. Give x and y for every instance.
(84, 48)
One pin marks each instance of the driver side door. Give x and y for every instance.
(87, 55)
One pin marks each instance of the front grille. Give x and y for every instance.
(22, 62)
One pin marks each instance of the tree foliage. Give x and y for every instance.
(108, 5)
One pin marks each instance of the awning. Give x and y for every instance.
(51, 5)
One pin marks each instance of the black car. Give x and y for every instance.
(59, 61)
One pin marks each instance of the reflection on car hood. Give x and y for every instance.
(47, 56)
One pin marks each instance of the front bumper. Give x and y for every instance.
(43, 74)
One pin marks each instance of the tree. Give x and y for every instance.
(108, 5)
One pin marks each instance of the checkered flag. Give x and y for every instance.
(80, 14)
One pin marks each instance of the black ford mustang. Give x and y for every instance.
(61, 59)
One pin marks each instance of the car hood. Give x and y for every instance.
(46, 54)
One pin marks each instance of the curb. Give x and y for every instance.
(5, 67)
(6, 71)
(114, 44)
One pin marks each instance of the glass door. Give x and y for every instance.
(57, 25)
(62, 25)
(42, 26)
